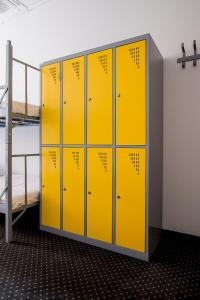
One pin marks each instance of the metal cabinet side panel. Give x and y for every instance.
(155, 144)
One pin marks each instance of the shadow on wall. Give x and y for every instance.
(181, 147)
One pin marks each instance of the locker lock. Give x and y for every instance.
(118, 197)
(43, 105)
(65, 102)
(119, 95)
(43, 185)
(89, 193)
(89, 99)
(64, 189)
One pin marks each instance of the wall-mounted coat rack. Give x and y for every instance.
(185, 58)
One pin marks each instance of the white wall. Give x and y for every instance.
(67, 26)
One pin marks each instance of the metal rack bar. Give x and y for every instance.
(19, 216)
(8, 145)
(26, 90)
(25, 64)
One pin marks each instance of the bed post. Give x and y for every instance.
(8, 143)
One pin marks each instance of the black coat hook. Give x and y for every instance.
(195, 53)
(184, 55)
(185, 58)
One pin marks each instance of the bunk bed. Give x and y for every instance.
(15, 194)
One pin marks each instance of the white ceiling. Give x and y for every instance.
(12, 8)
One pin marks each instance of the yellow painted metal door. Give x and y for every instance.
(73, 101)
(73, 190)
(51, 187)
(130, 198)
(99, 102)
(51, 104)
(99, 194)
(131, 94)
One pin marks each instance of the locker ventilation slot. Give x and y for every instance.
(103, 60)
(135, 160)
(53, 73)
(76, 68)
(104, 160)
(76, 157)
(135, 55)
(53, 157)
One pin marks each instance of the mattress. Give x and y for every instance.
(18, 196)
(19, 108)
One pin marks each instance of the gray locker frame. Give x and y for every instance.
(154, 128)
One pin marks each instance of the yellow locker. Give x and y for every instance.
(51, 187)
(73, 190)
(99, 190)
(51, 104)
(131, 94)
(130, 198)
(73, 101)
(99, 108)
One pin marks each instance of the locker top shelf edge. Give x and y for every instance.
(101, 48)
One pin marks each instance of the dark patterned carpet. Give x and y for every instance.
(38, 265)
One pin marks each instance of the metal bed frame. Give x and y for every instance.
(10, 121)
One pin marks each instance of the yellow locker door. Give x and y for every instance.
(131, 94)
(73, 101)
(99, 108)
(99, 189)
(130, 198)
(73, 190)
(51, 187)
(51, 104)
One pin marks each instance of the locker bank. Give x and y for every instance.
(101, 146)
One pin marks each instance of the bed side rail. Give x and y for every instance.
(26, 80)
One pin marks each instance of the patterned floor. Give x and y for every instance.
(39, 265)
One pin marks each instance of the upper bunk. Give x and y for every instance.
(14, 112)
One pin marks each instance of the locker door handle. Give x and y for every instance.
(65, 102)
(119, 95)
(43, 105)
(118, 197)
(64, 189)
(89, 193)
(89, 99)
(43, 185)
